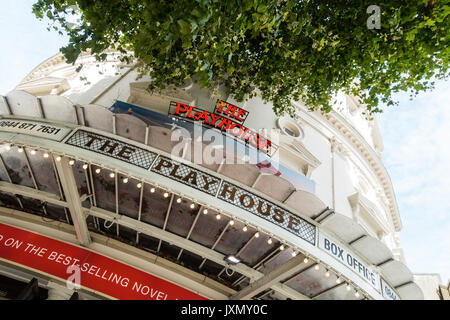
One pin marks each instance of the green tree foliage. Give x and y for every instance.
(288, 49)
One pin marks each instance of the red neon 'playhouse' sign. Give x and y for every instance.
(227, 118)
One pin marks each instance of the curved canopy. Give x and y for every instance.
(344, 227)
(244, 173)
(130, 127)
(22, 103)
(410, 291)
(306, 203)
(59, 108)
(98, 117)
(396, 273)
(276, 187)
(373, 250)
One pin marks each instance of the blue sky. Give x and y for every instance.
(25, 42)
(416, 137)
(415, 134)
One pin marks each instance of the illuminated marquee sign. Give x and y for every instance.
(227, 118)
(95, 271)
(236, 196)
(186, 174)
(267, 210)
(197, 179)
(112, 148)
(349, 260)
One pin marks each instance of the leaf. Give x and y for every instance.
(185, 27)
(196, 12)
(315, 50)
(205, 66)
(187, 44)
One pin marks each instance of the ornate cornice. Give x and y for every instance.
(338, 147)
(371, 157)
(48, 66)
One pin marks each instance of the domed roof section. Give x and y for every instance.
(75, 81)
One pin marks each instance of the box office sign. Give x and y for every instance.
(350, 260)
(86, 268)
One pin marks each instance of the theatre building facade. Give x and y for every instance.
(108, 191)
